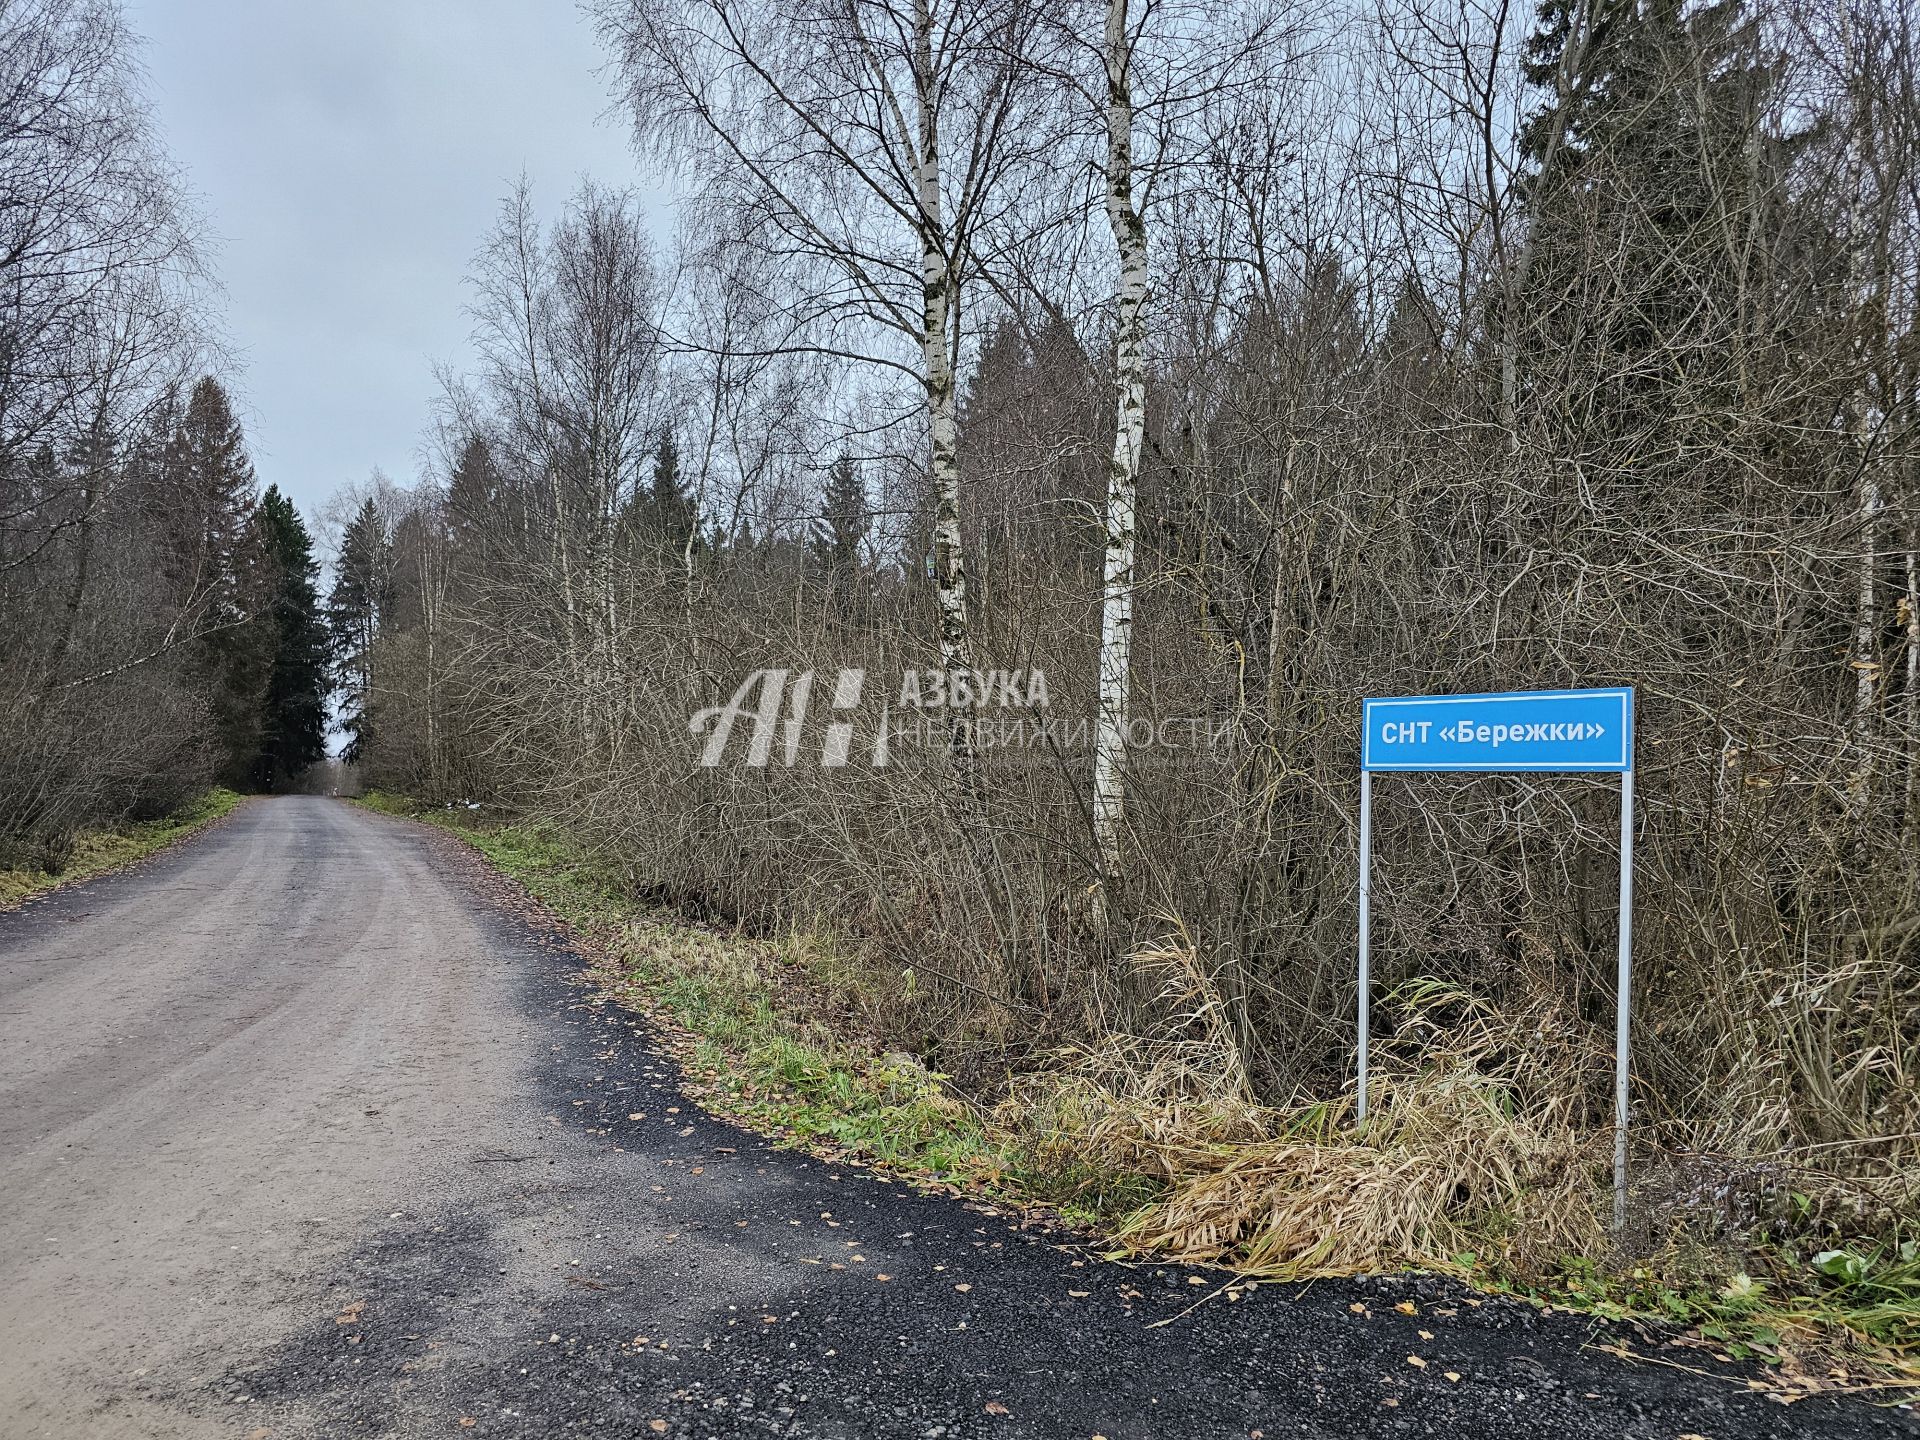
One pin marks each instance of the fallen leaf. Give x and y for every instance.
(1406, 1307)
(963, 1288)
(350, 1315)
(1079, 1294)
(1416, 1362)
(659, 1427)
(883, 1277)
(1454, 1376)
(994, 1407)
(467, 1422)
(1426, 1334)
(1357, 1308)
(1196, 1280)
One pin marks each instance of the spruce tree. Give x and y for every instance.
(293, 719)
(670, 512)
(211, 497)
(361, 597)
(477, 498)
(214, 564)
(833, 549)
(1646, 136)
(1642, 310)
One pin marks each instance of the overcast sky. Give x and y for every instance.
(349, 155)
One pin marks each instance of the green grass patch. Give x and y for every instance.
(1847, 1318)
(97, 851)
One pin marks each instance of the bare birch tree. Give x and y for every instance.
(1167, 66)
(870, 143)
(1130, 384)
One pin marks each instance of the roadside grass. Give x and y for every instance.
(1157, 1144)
(95, 852)
(1865, 1299)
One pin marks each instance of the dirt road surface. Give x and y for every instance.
(304, 1134)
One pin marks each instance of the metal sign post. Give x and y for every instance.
(1366, 916)
(1623, 1001)
(1545, 732)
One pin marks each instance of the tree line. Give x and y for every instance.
(161, 626)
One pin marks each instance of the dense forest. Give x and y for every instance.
(158, 610)
(1221, 366)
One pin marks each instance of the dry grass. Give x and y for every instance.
(1481, 1158)
(1458, 1155)
(1443, 1170)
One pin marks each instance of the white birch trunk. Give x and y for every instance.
(429, 569)
(1123, 472)
(943, 465)
(686, 584)
(613, 690)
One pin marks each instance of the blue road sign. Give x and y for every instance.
(1542, 730)
(1539, 730)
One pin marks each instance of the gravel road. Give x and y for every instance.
(305, 1133)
